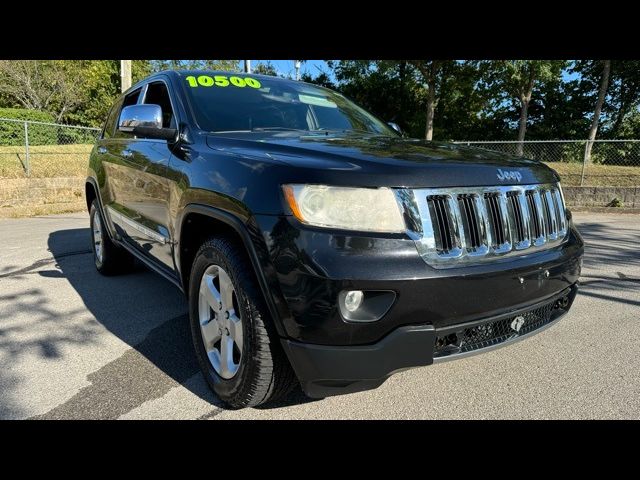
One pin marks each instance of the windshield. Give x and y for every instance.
(237, 102)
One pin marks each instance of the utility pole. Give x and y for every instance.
(125, 74)
(297, 65)
(247, 66)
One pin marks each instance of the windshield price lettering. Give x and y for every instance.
(222, 81)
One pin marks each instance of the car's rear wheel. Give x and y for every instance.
(235, 341)
(109, 258)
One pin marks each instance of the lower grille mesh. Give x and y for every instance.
(492, 333)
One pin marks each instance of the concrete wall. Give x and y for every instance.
(35, 196)
(601, 196)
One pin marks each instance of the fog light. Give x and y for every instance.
(353, 300)
(365, 306)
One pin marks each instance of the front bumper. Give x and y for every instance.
(308, 268)
(326, 370)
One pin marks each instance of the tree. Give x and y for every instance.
(321, 79)
(515, 80)
(560, 107)
(630, 128)
(226, 65)
(265, 68)
(44, 85)
(461, 110)
(100, 81)
(604, 83)
(375, 85)
(624, 93)
(431, 71)
(395, 91)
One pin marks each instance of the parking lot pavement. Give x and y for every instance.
(74, 344)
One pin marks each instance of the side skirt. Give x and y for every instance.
(151, 265)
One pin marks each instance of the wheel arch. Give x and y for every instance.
(197, 223)
(90, 192)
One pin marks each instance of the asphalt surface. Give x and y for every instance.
(74, 344)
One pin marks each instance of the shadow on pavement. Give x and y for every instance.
(143, 310)
(149, 314)
(614, 248)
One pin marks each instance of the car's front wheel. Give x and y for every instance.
(235, 341)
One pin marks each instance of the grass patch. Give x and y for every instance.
(596, 175)
(46, 161)
(72, 160)
(37, 210)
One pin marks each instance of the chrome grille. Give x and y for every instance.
(473, 224)
(470, 220)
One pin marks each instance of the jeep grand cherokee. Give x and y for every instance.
(314, 242)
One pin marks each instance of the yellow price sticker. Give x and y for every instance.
(222, 81)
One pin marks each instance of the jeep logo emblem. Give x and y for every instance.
(509, 175)
(517, 323)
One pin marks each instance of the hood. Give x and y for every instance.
(389, 161)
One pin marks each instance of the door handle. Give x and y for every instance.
(127, 153)
(102, 150)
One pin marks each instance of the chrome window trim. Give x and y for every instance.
(415, 208)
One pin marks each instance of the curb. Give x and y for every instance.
(613, 210)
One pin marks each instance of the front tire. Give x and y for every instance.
(235, 341)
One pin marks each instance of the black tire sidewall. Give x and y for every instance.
(226, 389)
(93, 212)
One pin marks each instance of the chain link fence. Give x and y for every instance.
(614, 163)
(40, 149)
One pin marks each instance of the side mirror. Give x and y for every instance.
(145, 121)
(396, 127)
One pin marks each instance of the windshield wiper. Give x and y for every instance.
(342, 130)
(285, 129)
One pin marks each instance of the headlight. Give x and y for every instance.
(363, 209)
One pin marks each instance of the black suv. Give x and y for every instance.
(315, 243)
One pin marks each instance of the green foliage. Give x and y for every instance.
(48, 85)
(630, 127)
(461, 108)
(513, 77)
(225, 65)
(12, 134)
(510, 85)
(321, 79)
(101, 86)
(618, 153)
(559, 110)
(265, 68)
(387, 89)
(624, 96)
(25, 114)
(473, 99)
(394, 90)
(93, 85)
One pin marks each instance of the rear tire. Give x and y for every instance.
(109, 258)
(226, 305)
